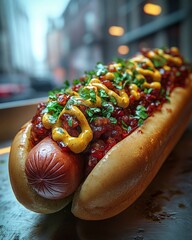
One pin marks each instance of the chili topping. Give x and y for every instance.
(107, 104)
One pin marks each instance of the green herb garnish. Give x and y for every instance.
(89, 76)
(72, 101)
(118, 79)
(91, 111)
(148, 90)
(101, 69)
(54, 108)
(70, 121)
(159, 62)
(102, 93)
(107, 109)
(122, 61)
(76, 81)
(139, 82)
(130, 64)
(113, 100)
(178, 74)
(141, 114)
(124, 125)
(87, 94)
(167, 95)
(113, 120)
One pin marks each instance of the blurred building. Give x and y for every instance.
(150, 28)
(86, 38)
(20, 76)
(15, 39)
(15, 50)
(88, 31)
(80, 40)
(55, 51)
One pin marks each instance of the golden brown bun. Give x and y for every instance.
(129, 167)
(23, 192)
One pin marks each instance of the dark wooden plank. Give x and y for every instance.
(164, 211)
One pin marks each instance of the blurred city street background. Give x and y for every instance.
(44, 42)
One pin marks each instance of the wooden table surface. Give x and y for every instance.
(163, 212)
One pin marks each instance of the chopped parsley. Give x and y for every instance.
(130, 64)
(88, 77)
(167, 95)
(178, 74)
(72, 101)
(125, 126)
(113, 100)
(141, 114)
(118, 80)
(113, 120)
(102, 93)
(54, 108)
(70, 121)
(148, 90)
(91, 111)
(128, 79)
(139, 82)
(159, 62)
(88, 94)
(76, 81)
(101, 69)
(107, 109)
(104, 96)
(122, 61)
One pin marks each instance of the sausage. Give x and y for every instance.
(21, 150)
(53, 174)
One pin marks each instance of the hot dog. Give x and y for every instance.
(101, 142)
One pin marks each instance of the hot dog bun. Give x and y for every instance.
(118, 121)
(24, 193)
(123, 173)
(129, 167)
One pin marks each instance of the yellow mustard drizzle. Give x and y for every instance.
(153, 73)
(76, 144)
(134, 91)
(122, 99)
(175, 60)
(46, 121)
(79, 144)
(89, 103)
(160, 53)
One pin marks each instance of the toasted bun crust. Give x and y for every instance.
(130, 166)
(23, 192)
